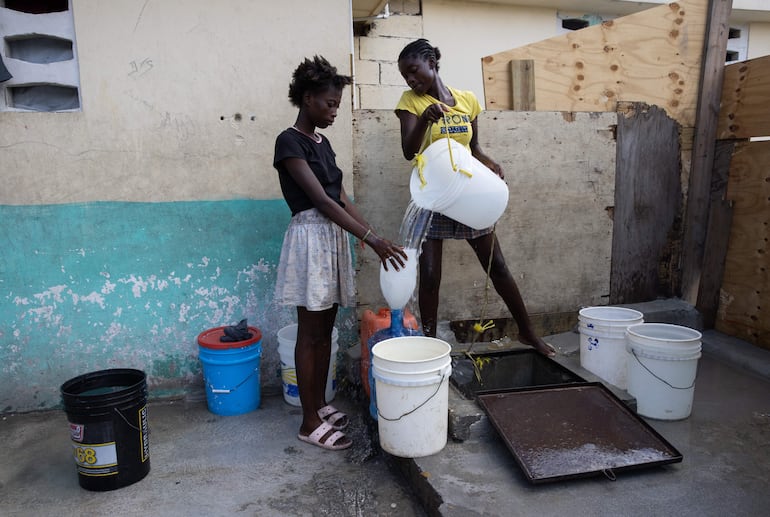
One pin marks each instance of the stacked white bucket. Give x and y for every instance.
(662, 365)
(411, 375)
(287, 341)
(603, 341)
(655, 362)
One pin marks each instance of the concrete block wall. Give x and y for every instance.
(556, 232)
(378, 83)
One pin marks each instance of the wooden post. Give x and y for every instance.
(648, 197)
(698, 196)
(523, 84)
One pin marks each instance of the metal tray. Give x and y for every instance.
(562, 432)
(508, 369)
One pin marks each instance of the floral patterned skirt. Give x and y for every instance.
(316, 266)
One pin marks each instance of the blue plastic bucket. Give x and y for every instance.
(231, 371)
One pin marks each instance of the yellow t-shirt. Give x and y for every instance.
(457, 121)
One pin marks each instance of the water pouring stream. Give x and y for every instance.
(398, 286)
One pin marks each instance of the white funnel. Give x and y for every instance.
(397, 286)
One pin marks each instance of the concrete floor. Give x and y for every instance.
(204, 464)
(252, 464)
(725, 445)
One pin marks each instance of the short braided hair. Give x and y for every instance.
(315, 76)
(421, 48)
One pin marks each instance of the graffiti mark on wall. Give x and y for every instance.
(141, 67)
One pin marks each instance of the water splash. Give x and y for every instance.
(414, 226)
(398, 286)
(588, 457)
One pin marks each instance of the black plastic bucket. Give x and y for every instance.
(107, 414)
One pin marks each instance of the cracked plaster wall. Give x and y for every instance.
(155, 213)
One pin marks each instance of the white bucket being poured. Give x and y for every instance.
(411, 375)
(398, 286)
(449, 180)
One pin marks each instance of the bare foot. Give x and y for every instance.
(538, 344)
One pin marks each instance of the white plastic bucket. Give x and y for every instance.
(476, 199)
(287, 340)
(662, 365)
(411, 376)
(398, 286)
(603, 341)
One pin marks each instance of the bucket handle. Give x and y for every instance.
(226, 391)
(633, 352)
(438, 387)
(129, 424)
(419, 160)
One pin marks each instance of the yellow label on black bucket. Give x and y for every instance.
(96, 459)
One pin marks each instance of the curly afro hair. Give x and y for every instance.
(315, 76)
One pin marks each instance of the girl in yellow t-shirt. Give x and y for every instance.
(419, 109)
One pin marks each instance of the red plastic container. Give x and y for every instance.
(370, 323)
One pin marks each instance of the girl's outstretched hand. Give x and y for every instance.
(388, 252)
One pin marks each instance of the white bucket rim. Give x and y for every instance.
(632, 315)
(418, 378)
(433, 369)
(665, 342)
(662, 355)
(389, 342)
(637, 331)
(291, 330)
(617, 332)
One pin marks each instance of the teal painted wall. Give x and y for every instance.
(92, 286)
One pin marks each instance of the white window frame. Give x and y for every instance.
(63, 73)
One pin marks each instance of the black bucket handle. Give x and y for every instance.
(664, 381)
(438, 387)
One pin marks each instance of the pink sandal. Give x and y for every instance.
(336, 418)
(332, 442)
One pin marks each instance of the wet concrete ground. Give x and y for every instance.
(204, 464)
(725, 445)
(253, 464)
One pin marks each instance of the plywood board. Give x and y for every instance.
(653, 56)
(556, 232)
(648, 205)
(744, 308)
(745, 108)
